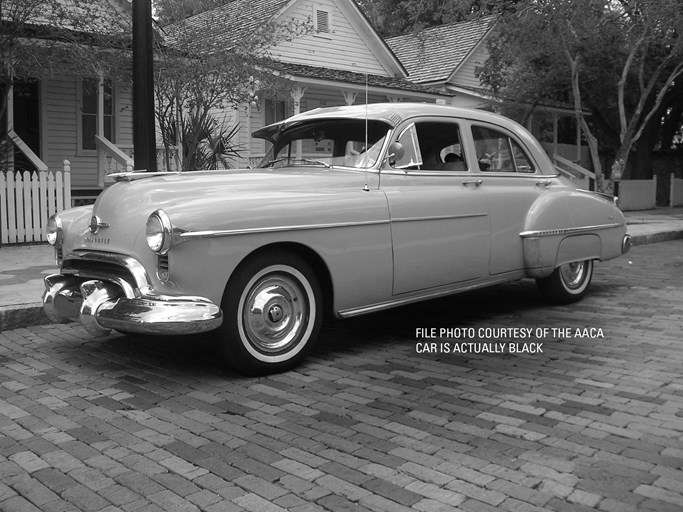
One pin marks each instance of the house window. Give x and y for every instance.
(275, 111)
(89, 112)
(322, 21)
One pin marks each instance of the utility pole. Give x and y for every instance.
(144, 135)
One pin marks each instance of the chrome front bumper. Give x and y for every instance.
(102, 306)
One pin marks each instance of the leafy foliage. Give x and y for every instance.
(621, 60)
(193, 81)
(396, 17)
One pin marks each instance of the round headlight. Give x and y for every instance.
(159, 232)
(54, 230)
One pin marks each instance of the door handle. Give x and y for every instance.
(544, 183)
(476, 183)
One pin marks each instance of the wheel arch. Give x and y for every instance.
(306, 253)
(578, 248)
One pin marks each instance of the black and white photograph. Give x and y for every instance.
(341, 256)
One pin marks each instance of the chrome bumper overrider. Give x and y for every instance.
(101, 306)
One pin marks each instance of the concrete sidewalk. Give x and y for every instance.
(23, 267)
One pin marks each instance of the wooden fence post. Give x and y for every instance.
(67, 184)
(11, 208)
(4, 236)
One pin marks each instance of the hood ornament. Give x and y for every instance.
(96, 223)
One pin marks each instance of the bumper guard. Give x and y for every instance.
(102, 306)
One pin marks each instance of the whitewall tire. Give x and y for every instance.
(272, 313)
(568, 283)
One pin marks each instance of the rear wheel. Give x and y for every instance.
(272, 313)
(568, 283)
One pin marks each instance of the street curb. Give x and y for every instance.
(651, 238)
(22, 315)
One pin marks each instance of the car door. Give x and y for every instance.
(512, 183)
(440, 224)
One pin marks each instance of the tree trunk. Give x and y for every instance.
(600, 185)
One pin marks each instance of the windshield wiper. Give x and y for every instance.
(314, 162)
(272, 162)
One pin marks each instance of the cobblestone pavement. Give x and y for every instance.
(371, 421)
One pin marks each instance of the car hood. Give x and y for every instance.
(219, 200)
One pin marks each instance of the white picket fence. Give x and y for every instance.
(27, 199)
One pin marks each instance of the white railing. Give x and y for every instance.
(676, 191)
(114, 158)
(27, 199)
(111, 159)
(28, 152)
(582, 177)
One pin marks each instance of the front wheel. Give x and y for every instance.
(272, 313)
(568, 283)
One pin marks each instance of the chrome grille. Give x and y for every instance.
(162, 267)
(103, 270)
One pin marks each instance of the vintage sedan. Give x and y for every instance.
(352, 210)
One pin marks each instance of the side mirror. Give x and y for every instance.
(396, 152)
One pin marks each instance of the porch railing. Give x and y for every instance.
(113, 158)
(575, 172)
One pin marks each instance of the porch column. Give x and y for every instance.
(578, 142)
(99, 129)
(297, 93)
(10, 108)
(349, 97)
(556, 120)
(100, 104)
(10, 125)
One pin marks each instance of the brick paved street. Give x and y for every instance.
(371, 421)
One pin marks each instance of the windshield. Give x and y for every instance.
(327, 143)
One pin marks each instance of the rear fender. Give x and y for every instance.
(567, 225)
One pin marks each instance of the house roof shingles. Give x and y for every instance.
(107, 18)
(350, 77)
(433, 54)
(220, 27)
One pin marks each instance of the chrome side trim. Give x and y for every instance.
(438, 217)
(570, 231)
(188, 235)
(434, 294)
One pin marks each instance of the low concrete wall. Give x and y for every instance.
(676, 191)
(637, 194)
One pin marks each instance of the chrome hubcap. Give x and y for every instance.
(275, 313)
(573, 273)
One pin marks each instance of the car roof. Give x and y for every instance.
(391, 113)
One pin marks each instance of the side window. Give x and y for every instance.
(522, 161)
(498, 152)
(412, 156)
(432, 145)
